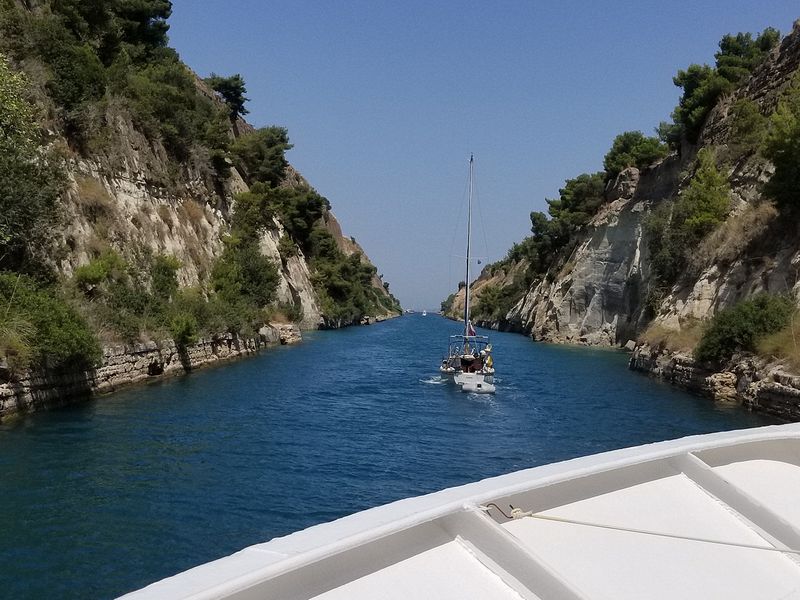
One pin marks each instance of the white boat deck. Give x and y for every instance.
(707, 517)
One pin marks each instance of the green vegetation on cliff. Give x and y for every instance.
(677, 229)
(31, 180)
(674, 230)
(743, 326)
(232, 90)
(702, 85)
(39, 326)
(782, 148)
(632, 149)
(343, 283)
(101, 74)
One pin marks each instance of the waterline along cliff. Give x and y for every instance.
(686, 246)
(139, 208)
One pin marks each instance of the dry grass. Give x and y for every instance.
(96, 245)
(166, 215)
(196, 252)
(277, 315)
(193, 213)
(783, 345)
(92, 198)
(684, 339)
(162, 231)
(729, 241)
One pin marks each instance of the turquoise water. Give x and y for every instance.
(108, 496)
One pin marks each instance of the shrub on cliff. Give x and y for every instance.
(632, 149)
(164, 277)
(447, 304)
(260, 155)
(232, 91)
(674, 231)
(245, 282)
(782, 147)
(31, 181)
(706, 200)
(108, 266)
(184, 329)
(38, 327)
(165, 104)
(577, 202)
(748, 128)
(740, 327)
(702, 85)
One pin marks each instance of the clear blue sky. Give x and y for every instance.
(384, 101)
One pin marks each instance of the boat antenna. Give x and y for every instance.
(469, 235)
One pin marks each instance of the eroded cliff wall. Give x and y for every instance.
(128, 198)
(598, 294)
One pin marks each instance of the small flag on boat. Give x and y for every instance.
(470, 328)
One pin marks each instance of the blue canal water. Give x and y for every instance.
(107, 496)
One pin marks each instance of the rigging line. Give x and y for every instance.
(456, 229)
(517, 513)
(477, 199)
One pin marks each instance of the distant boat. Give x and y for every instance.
(424, 313)
(469, 356)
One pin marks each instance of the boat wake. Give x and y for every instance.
(436, 380)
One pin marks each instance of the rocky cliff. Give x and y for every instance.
(138, 207)
(132, 204)
(601, 292)
(598, 293)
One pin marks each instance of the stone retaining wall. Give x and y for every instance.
(126, 365)
(754, 383)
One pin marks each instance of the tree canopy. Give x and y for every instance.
(261, 155)
(232, 90)
(782, 147)
(632, 149)
(31, 182)
(702, 85)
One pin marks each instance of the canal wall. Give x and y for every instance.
(752, 382)
(124, 365)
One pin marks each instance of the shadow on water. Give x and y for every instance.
(110, 495)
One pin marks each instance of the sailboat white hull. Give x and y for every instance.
(468, 357)
(475, 383)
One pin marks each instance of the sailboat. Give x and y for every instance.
(469, 356)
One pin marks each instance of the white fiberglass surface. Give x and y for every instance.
(606, 563)
(446, 572)
(773, 483)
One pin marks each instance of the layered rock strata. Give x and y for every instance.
(753, 383)
(124, 365)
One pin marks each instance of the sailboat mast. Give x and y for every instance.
(469, 240)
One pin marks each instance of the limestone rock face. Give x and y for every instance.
(722, 386)
(127, 199)
(596, 297)
(288, 333)
(295, 285)
(603, 292)
(349, 246)
(757, 384)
